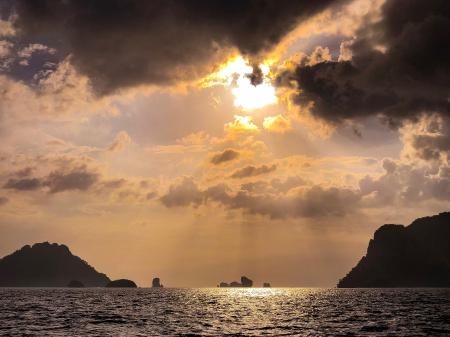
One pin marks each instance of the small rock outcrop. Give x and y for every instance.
(47, 265)
(266, 285)
(414, 256)
(156, 283)
(75, 284)
(122, 283)
(245, 282)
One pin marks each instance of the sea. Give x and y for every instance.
(224, 312)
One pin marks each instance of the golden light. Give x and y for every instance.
(247, 96)
(241, 124)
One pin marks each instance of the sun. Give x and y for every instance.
(237, 74)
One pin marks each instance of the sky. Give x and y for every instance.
(199, 141)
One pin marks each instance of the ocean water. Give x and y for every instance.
(224, 312)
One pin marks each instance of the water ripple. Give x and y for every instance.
(224, 312)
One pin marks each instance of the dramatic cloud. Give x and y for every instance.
(78, 179)
(25, 184)
(428, 139)
(309, 202)
(241, 124)
(125, 43)
(405, 184)
(399, 67)
(184, 194)
(279, 124)
(224, 156)
(251, 171)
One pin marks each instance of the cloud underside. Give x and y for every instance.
(399, 68)
(79, 178)
(120, 44)
(401, 184)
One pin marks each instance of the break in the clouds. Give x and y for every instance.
(399, 68)
(126, 43)
(213, 150)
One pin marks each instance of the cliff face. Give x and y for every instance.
(47, 265)
(414, 256)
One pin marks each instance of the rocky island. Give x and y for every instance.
(245, 282)
(47, 265)
(122, 283)
(156, 283)
(414, 256)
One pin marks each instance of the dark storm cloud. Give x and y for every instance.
(122, 43)
(57, 181)
(24, 184)
(251, 171)
(257, 76)
(78, 179)
(410, 77)
(224, 156)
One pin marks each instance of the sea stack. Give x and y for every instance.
(156, 283)
(246, 282)
(266, 285)
(122, 283)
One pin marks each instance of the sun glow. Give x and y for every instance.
(236, 74)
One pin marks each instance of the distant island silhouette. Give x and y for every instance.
(414, 256)
(47, 265)
(245, 282)
(122, 283)
(156, 283)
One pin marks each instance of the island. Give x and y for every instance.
(266, 285)
(47, 265)
(156, 283)
(75, 284)
(122, 283)
(417, 255)
(245, 283)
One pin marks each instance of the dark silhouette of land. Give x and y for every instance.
(75, 284)
(122, 283)
(156, 283)
(414, 256)
(266, 285)
(245, 282)
(47, 265)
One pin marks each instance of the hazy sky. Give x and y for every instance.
(199, 141)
